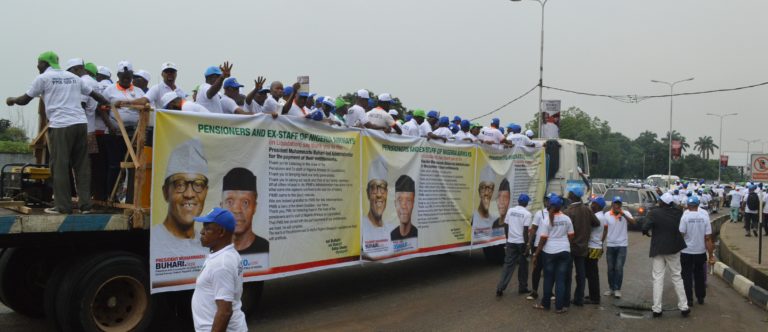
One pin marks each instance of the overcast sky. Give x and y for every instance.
(460, 57)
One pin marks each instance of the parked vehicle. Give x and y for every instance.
(635, 200)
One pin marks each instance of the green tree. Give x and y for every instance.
(705, 145)
(13, 134)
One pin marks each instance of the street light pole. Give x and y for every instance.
(671, 92)
(720, 145)
(541, 64)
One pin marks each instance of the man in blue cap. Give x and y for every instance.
(595, 251)
(463, 135)
(208, 93)
(517, 219)
(583, 220)
(515, 137)
(433, 118)
(457, 120)
(491, 134)
(216, 304)
(442, 130)
(616, 245)
(233, 102)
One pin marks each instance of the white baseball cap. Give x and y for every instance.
(385, 97)
(143, 74)
(124, 65)
(667, 198)
(363, 93)
(168, 98)
(529, 133)
(73, 63)
(393, 113)
(168, 65)
(104, 71)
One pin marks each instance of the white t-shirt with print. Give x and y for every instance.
(296, 111)
(538, 218)
(617, 229)
(228, 105)
(90, 103)
(221, 279)
(517, 218)
(115, 93)
(157, 91)
(557, 234)
(695, 225)
(271, 106)
(492, 134)
(212, 104)
(356, 116)
(411, 128)
(443, 132)
(596, 237)
(425, 128)
(519, 140)
(379, 117)
(62, 94)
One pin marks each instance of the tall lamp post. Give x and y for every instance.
(720, 145)
(541, 61)
(749, 157)
(671, 92)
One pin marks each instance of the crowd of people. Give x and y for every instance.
(568, 237)
(83, 133)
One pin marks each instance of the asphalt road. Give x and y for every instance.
(455, 292)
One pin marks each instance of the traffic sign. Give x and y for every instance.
(760, 167)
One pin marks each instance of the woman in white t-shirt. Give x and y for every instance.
(555, 251)
(616, 243)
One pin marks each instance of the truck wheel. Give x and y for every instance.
(494, 254)
(23, 274)
(251, 296)
(52, 289)
(105, 292)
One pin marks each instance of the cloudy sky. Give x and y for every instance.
(460, 57)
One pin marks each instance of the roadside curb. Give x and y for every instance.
(744, 286)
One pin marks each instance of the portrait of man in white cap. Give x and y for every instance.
(376, 238)
(482, 219)
(184, 189)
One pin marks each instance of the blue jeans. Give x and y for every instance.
(616, 256)
(556, 272)
(734, 214)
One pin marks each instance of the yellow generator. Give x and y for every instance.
(30, 183)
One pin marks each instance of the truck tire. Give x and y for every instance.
(52, 289)
(251, 297)
(105, 292)
(494, 254)
(23, 274)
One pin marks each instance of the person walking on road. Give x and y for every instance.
(663, 224)
(216, 302)
(697, 233)
(616, 245)
(596, 240)
(517, 219)
(556, 235)
(751, 206)
(583, 220)
(735, 203)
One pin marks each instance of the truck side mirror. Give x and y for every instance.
(593, 158)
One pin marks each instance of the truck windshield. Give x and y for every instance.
(627, 196)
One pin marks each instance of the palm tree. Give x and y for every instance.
(706, 145)
(676, 137)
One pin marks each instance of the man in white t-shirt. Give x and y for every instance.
(379, 118)
(231, 102)
(356, 114)
(141, 80)
(62, 93)
(491, 134)
(255, 101)
(595, 250)
(411, 127)
(517, 219)
(751, 218)
(442, 130)
(697, 232)
(272, 103)
(618, 221)
(168, 84)
(463, 135)
(208, 94)
(516, 138)
(216, 302)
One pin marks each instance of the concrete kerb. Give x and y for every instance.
(744, 286)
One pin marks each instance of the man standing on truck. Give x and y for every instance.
(377, 243)
(239, 196)
(185, 189)
(62, 93)
(216, 304)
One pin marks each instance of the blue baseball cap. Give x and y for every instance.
(693, 200)
(454, 128)
(316, 115)
(555, 201)
(232, 83)
(304, 94)
(312, 94)
(212, 70)
(320, 99)
(443, 120)
(510, 125)
(617, 199)
(523, 198)
(501, 130)
(578, 191)
(371, 102)
(287, 91)
(408, 117)
(515, 128)
(219, 216)
(432, 114)
(677, 192)
(752, 187)
(689, 194)
(465, 124)
(495, 121)
(600, 201)
(456, 118)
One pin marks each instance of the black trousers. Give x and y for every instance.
(536, 274)
(593, 278)
(578, 268)
(694, 275)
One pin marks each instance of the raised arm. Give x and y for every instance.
(226, 70)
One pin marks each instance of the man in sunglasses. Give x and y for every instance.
(185, 189)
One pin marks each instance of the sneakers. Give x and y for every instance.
(608, 293)
(617, 294)
(532, 296)
(523, 291)
(86, 211)
(657, 314)
(52, 210)
(754, 231)
(685, 313)
(701, 301)
(499, 293)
